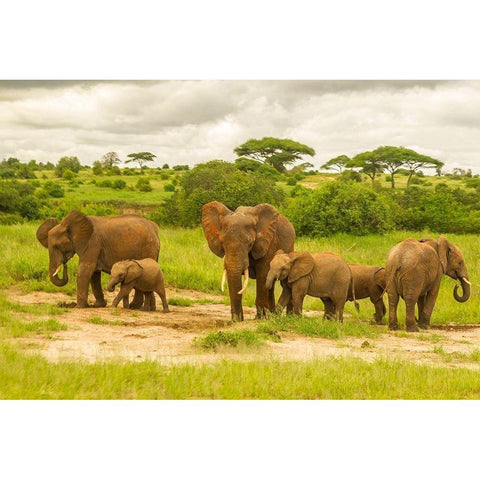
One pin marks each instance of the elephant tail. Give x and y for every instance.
(352, 287)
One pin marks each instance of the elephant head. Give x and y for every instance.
(63, 240)
(237, 235)
(290, 267)
(453, 265)
(126, 271)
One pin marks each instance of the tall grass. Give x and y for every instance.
(32, 377)
(188, 263)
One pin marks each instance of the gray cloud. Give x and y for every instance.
(195, 121)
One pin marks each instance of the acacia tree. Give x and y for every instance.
(141, 158)
(392, 160)
(110, 159)
(337, 163)
(369, 163)
(277, 152)
(414, 161)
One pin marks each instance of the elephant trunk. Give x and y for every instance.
(271, 277)
(111, 285)
(465, 290)
(234, 279)
(55, 279)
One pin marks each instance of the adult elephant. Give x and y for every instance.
(99, 242)
(248, 239)
(413, 272)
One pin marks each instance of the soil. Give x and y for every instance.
(168, 337)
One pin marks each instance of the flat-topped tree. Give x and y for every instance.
(141, 158)
(369, 163)
(277, 152)
(413, 162)
(392, 160)
(337, 163)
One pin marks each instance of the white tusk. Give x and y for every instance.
(466, 281)
(224, 276)
(245, 282)
(57, 270)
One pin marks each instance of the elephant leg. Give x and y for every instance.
(339, 306)
(137, 301)
(96, 283)
(285, 299)
(410, 322)
(147, 304)
(392, 310)
(84, 276)
(124, 291)
(380, 310)
(328, 308)
(125, 301)
(265, 301)
(299, 290)
(163, 298)
(428, 305)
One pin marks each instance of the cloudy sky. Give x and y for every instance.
(189, 122)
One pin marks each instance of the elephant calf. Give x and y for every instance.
(144, 275)
(370, 283)
(323, 275)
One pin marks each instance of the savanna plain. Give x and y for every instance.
(51, 351)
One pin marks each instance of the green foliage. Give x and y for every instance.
(143, 185)
(216, 180)
(67, 163)
(274, 151)
(340, 207)
(18, 198)
(68, 174)
(235, 338)
(110, 160)
(337, 163)
(119, 184)
(97, 168)
(141, 158)
(169, 187)
(54, 189)
(249, 165)
(291, 181)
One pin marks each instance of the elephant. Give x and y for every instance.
(370, 283)
(99, 242)
(413, 272)
(144, 275)
(323, 275)
(248, 239)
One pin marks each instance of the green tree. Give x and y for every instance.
(337, 163)
(110, 159)
(276, 152)
(67, 163)
(141, 158)
(369, 163)
(413, 162)
(392, 160)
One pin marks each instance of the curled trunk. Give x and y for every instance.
(465, 291)
(55, 279)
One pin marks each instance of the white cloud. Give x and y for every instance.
(195, 121)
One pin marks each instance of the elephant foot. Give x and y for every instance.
(82, 304)
(379, 322)
(135, 306)
(412, 328)
(100, 303)
(424, 326)
(393, 326)
(237, 317)
(166, 310)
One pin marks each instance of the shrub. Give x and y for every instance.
(68, 174)
(54, 189)
(119, 184)
(338, 207)
(143, 185)
(291, 181)
(105, 184)
(67, 163)
(165, 166)
(10, 219)
(97, 168)
(169, 187)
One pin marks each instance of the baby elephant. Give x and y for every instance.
(144, 275)
(323, 275)
(370, 282)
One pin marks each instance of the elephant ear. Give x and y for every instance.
(212, 215)
(80, 229)
(133, 271)
(44, 228)
(302, 264)
(266, 229)
(380, 278)
(443, 250)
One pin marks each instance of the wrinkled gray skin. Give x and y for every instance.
(144, 275)
(370, 283)
(99, 242)
(414, 270)
(323, 275)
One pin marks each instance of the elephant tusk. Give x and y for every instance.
(56, 271)
(224, 276)
(245, 282)
(466, 281)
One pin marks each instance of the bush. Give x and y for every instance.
(68, 174)
(10, 219)
(54, 189)
(350, 176)
(143, 185)
(67, 163)
(169, 187)
(115, 170)
(338, 207)
(105, 184)
(291, 181)
(216, 180)
(119, 184)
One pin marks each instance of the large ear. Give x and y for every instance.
(80, 230)
(212, 215)
(44, 228)
(302, 264)
(266, 227)
(380, 278)
(133, 271)
(443, 250)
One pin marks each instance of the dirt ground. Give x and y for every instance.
(168, 338)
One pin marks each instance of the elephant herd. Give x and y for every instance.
(255, 242)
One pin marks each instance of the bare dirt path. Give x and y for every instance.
(100, 334)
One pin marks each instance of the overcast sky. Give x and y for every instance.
(189, 122)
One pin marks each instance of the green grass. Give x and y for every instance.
(236, 338)
(96, 320)
(318, 327)
(32, 377)
(457, 356)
